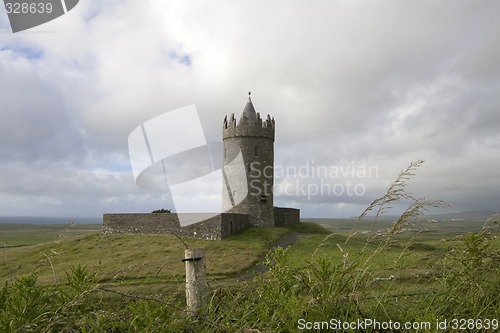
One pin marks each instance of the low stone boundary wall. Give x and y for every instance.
(211, 227)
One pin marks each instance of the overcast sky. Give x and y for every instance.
(369, 85)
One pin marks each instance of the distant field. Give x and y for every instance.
(12, 235)
(438, 227)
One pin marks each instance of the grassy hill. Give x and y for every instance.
(353, 273)
(131, 259)
(156, 259)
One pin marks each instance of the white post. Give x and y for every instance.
(196, 282)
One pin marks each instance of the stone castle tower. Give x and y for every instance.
(249, 162)
(247, 197)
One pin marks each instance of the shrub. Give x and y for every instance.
(161, 211)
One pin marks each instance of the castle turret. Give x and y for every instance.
(251, 193)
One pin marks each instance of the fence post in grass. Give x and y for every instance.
(196, 282)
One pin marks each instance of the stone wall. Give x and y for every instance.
(286, 216)
(232, 224)
(212, 227)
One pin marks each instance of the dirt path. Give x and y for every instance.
(284, 241)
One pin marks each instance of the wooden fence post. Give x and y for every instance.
(196, 282)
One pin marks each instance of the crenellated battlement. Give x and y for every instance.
(231, 130)
(250, 124)
(244, 122)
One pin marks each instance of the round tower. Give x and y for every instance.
(249, 166)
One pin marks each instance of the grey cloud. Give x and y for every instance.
(35, 124)
(379, 83)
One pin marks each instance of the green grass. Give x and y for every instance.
(300, 282)
(152, 259)
(413, 259)
(381, 270)
(133, 259)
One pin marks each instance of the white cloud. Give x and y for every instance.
(379, 83)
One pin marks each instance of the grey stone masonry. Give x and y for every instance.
(286, 216)
(247, 189)
(213, 227)
(253, 138)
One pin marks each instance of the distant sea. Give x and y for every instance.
(49, 220)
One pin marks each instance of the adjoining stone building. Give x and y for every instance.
(247, 202)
